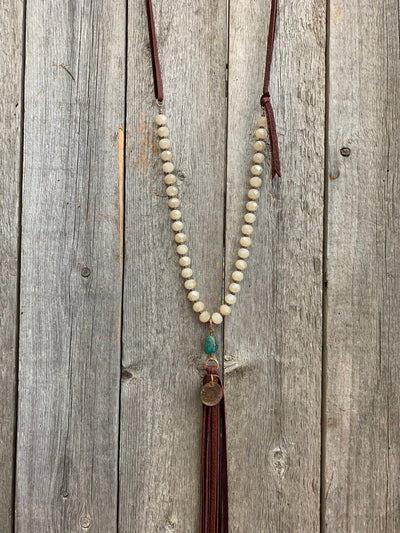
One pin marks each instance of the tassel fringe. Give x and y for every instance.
(214, 475)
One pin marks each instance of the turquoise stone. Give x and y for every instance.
(210, 345)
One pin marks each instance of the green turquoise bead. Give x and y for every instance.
(210, 345)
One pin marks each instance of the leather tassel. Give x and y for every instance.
(214, 475)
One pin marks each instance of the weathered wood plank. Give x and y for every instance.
(162, 337)
(363, 337)
(67, 450)
(11, 57)
(273, 336)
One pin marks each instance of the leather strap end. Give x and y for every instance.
(273, 139)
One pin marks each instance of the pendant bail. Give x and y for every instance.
(214, 360)
(159, 103)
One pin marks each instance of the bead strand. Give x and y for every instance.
(251, 206)
(245, 241)
(177, 224)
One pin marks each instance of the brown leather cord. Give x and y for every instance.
(214, 467)
(155, 63)
(265, 98)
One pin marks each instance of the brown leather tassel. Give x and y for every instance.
(214, 475)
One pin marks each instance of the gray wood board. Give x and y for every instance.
(77, 258)
(163, 358)
(363, 335)
(273, 337)
(67, 445)
(11, 46)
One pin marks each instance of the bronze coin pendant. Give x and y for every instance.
(211, 394)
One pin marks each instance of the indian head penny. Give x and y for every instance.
(211, 394)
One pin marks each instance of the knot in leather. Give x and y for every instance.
(266, 97)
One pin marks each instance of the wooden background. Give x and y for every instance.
(101, 354)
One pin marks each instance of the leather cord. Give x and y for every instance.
(155, 63)
(265, 100)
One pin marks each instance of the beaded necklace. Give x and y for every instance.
(214, 479)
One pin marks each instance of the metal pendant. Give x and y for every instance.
(211, 394)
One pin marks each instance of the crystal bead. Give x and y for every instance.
(259, 146)
(161, 120)
(216, 318)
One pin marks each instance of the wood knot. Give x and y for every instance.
(125, 374)
(279, 461)
(169, 526)
(85, 272)
(85, 522)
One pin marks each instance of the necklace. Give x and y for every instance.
(214, 479)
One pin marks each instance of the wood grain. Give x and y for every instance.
(363, 274)
(67, 450)
(11, 59)
(163, 357)
(107, 449)
(273, 336)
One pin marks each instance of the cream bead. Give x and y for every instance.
(177, 225)
(170, 179)
(166, 155)
(258, 158)
(225, 310)
(175, 214)
(173, 202)
(247, 229)
(237, 275)
(255, 181)
(180, 237)
(198, 307)
(252, 206)
(164, 131)
(204, 316)
(182, 249)
(186, 273)
(240, 264)
(230, 299)
(249, 218)
(184, 261)
(253, 194)
(245, 242)
(172, 190)
(262, 122)
(168, 167)
(216, 318)
(259, 146)
(190, 284)
(261, 133)
(234, 288)
(243, 253)
(193, 296)
(161, 120)
(256, 170)
(164, 144)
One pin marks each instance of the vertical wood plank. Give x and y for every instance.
(163, 339)
(273, 336)
(363, 336)
(11, 57)
(67, 446)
